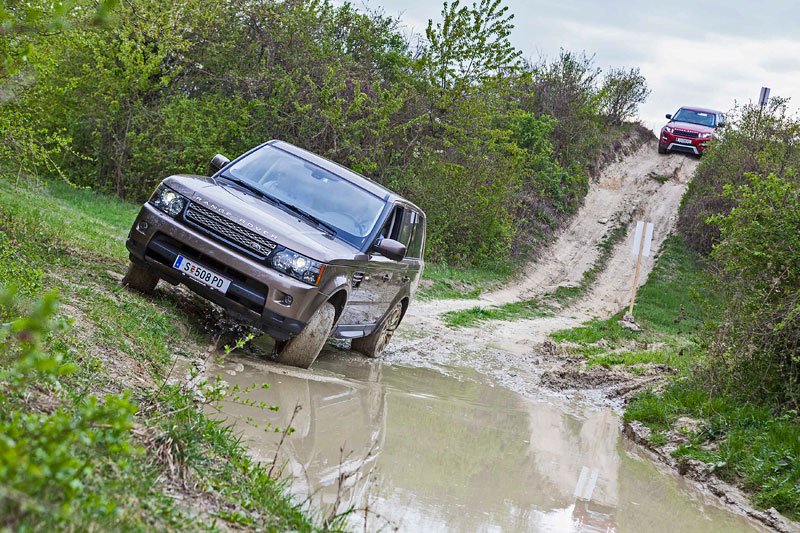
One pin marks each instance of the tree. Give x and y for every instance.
(622, 92)
(470, 46)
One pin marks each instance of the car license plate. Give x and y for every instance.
(683, 141)
(201, 274)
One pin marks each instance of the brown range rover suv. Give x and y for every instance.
(288, 241)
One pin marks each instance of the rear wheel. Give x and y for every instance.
(303, 349)
(140, 279)
(373, 344)
(662, 150)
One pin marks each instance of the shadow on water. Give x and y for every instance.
(421, 450)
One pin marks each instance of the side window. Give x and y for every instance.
(415, 249)
(407, 226)
(391, 229)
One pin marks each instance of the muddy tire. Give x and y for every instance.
(373, 344)
(140, 279)
(662, 150)
(302, 350)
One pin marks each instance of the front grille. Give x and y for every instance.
(684, 133)
(228, 230)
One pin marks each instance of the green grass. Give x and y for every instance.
(514, 311)
(673, 307)
(661, 178)
(544, 306)
(669, 356)
(121, 346)
(447, 282)
(752, 446)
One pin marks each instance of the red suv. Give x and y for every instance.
(689, 130)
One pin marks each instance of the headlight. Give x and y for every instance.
(168, 201)
(668, 129)
(298, 266)
(705, 135)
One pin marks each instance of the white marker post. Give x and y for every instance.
(587, 481)
(642, 243)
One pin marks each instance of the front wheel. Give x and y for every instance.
(140, 279)
(302, 350)
(662, 150)
(373, 344)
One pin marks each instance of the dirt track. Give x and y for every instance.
(638, 185)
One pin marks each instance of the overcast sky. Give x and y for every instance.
(708, 54)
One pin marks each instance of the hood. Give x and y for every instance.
(262, 217)
(688, 126)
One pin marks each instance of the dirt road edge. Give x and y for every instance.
(702, 476)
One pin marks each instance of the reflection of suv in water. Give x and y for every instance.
(289, 241)
(689, 130)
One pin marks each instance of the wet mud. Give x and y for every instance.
(449, 449)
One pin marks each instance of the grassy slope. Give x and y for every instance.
(673, 308)
(545, 305)
(750, 445)
(121, 343)
(445, 282)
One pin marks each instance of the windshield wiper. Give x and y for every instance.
(249, 186)
(308, 216)
(277, 201)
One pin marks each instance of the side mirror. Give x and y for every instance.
(391, 249)
(668, 116)
(721, 124)
(217, 163)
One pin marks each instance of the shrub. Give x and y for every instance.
(621, 93)
(758, 344)
(54, 447)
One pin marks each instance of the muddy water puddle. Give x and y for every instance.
(421, 450)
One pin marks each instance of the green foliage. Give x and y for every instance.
(468, 47)
(50, 455)
(29, 146)
(747, 444)
(85, 445)
(758, 255)
(120, 98)
(743, 204)
(15, 270)
(622, 92)
(567, 88)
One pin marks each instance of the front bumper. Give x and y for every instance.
(677, 143)
(256, 292)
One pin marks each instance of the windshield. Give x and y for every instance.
(700, 118)
(334, 201)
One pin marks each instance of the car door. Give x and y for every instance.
(376, 284)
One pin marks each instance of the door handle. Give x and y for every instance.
(386, 277)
